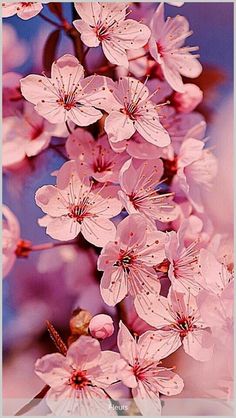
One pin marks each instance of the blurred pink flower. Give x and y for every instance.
(130, 109)
(73, 207)
(67, 95)
(101, 326)
(24, 10)
(11, 95)
(215, 274)
(11, 237)
(128, 261)
(187, 101)
(105, 23)
(166, 47)
(140, 369)
(10, 40)
(179, 321)
(140, 193)
(79, 380)
(94, 158)
(26, 135)
(196, 170)
(183, 270)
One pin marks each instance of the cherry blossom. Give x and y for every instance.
(187, 101)
(105, 24)
(11, 96)
(131, 109)
(11, 237)
(180, 322)
(196, 170)
(73, 207)
(27, 134)
(78, 381)
(141, 186)
(140, 368)
(101, 326)
(94, 158)
(166, 47)
(24, 10)
(183, 270)
(67, 95)
(128, 260)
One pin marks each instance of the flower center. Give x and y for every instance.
(102, 32)
(160, 49)
(125, 260)
(67, 101)
(184, 325)
(78, 379)
(80, 211)
(100, 164)
(23, 248)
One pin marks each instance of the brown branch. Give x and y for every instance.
(57, 340)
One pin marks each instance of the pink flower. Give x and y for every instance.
(72, 206)
(140, 369)
(105, 23)
(94, 158)
(216, 301)
(140, 184)
(187, 101)
(25, 10)
(11, 96)
(101, 326)
(78, 381)
(179, 321)
(27, 134)
(67, 95)
(11, 237)
(130, 109)
(215, 274)
(183, 269)
(10, 40)
(196, 170)
(166, 47)
(128, 261)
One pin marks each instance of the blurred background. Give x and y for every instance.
(49, 285)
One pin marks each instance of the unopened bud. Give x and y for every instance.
(79, 322)
(101, 326)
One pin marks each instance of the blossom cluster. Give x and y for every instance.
(136, 169)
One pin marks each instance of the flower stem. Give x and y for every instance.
(68, 127)
(49, 245)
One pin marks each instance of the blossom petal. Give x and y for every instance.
(88, 35)
(53, 369)
(147, 400)
(98, 230)
(114, 286)
(199, 344)
(118, 126)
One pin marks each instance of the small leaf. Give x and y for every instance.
(50, 49)
(56, 9)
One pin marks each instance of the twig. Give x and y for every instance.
(57, 340)
(34, 402)
(47, 19)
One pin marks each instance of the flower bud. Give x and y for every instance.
(101, 326)
(189, 100)
(79, 322)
